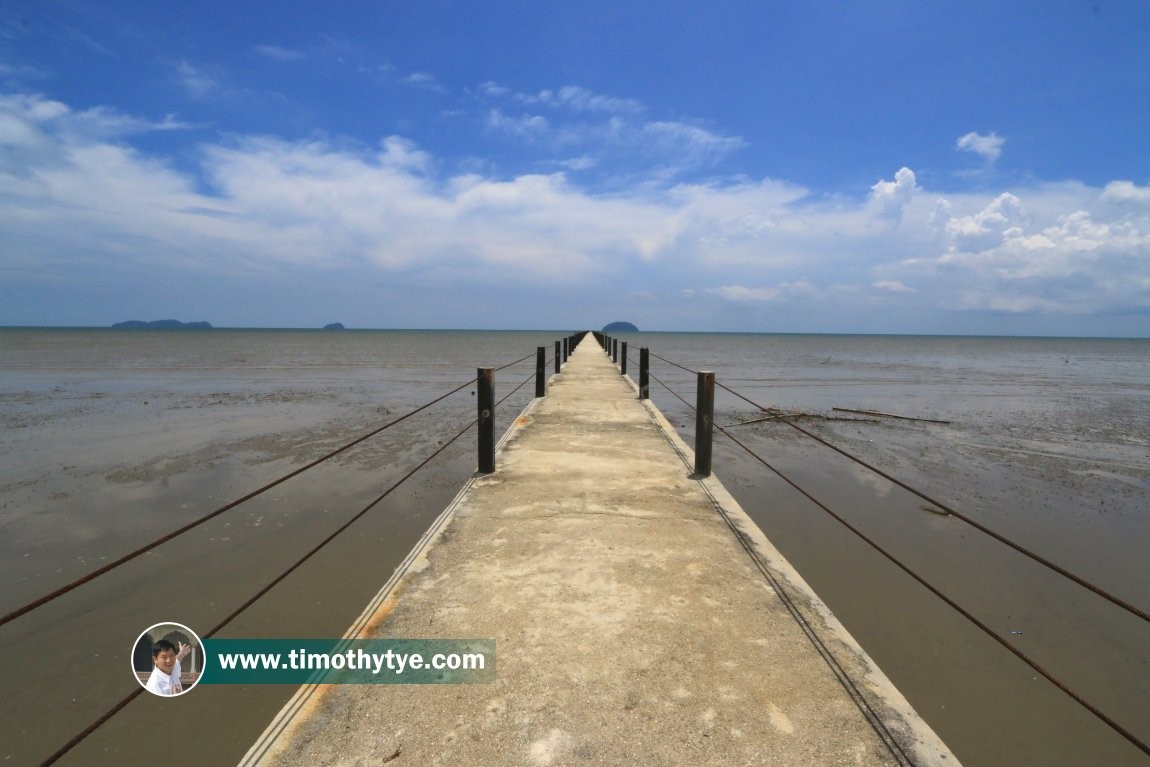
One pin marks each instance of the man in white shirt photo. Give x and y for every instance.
(165, 678)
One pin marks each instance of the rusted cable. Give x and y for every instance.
(75, 741)
(251, 600)
(673, 364)
(961, 610)
(668, 388)
(516, 362)
(227, 507)
(1118, 601)
(1113, 599)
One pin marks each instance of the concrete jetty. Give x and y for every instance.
(640, 618)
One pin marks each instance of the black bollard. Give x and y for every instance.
(486, 411)
(540, 371)
(704, 421)
(644, 373)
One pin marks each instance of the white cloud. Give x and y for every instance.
(692, 144)
(424, 80)
(988, 147)
(194, 81)
(579, 120)
(893, 196)
(578, 163)
(278, 53)
(988, 227)
(582, 100)
(893, 286)
(741, 293)
(523, 125)
(75, 191)
(32, 129)
(494, 89)
(1126, 192)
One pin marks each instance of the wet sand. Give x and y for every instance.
(128, 467)
(97, 465)
(1074, 488)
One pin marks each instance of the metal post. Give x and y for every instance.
(615, 350)
(644, 373)
(558, 359)
(540, 371)
(623, 369)
(566, 343)
(486, 411)
(704, 421)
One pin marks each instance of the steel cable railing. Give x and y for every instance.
(91, 728)
(957, 607)
(41, 601)
(1102, 716)
(1116, 600)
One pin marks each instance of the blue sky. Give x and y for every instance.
(881, 166)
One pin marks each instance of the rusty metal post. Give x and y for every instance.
(704, 421)
(644, 373)
(623, 369)
(558, 359)
(486, 411)
(541, 371)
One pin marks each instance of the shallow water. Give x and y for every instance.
(1047, 444)
(111, 438)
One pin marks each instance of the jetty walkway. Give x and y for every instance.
(640, 618)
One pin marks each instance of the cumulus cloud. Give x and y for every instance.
(987, 147)
(988, 227)
(1126, 192)
(893, 196)
(76, 192)
(1053, 255)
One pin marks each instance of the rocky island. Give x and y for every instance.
(620, 327)
(162, 325)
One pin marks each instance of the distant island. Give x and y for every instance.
(162, 325)
(334, 326)
(620, 327)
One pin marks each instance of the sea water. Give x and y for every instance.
(111, 438)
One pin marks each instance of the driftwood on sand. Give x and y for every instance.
(887, 415)
(778, 415)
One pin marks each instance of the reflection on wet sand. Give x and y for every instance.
(107, 447)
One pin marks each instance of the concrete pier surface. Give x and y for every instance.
(640, 618)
